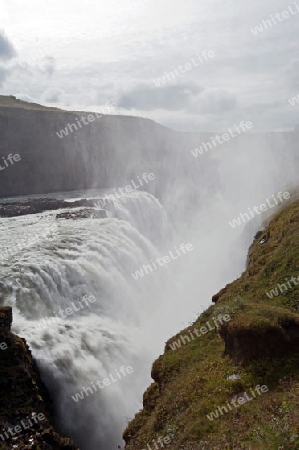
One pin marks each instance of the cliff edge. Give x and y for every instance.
(231, 379)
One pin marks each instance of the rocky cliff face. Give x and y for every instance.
(25, 422)
(108, 152)
(231, 380)
(91, 157)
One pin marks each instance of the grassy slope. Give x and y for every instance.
(259, 343)
(13, 102)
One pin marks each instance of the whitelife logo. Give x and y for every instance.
(161, 441)
(11, 158)
(241, 399)
(294, 100)
(259, 209)
(86, 120)
(65, 312)
(282, 287)
(19, 428)
(126, 190)
(280, 17)
(183, 68)
(162, 261)
(3, 346)
(184, 339)
(216, 140)
(101, 384)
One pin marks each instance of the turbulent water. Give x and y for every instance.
(52, 269)
(50, 265)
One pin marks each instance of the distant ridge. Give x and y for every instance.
(11, 101)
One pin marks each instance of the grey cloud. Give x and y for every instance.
(213, 102)
(7, 50)
(148, 98)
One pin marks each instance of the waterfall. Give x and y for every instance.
(50, 280)
(89, 322)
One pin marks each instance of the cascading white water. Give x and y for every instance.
(87, 257)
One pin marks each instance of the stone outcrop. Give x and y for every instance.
(271, 340)
(86, 213)
(25, 421)
(5, 320)
(38, 205)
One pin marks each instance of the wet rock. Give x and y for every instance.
(24, 397)
(39, 205)
(265, 238)
(83, 214)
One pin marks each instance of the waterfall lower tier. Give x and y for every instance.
(83, 314)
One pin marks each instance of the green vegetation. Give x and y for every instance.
(12, 102)
(260, 344)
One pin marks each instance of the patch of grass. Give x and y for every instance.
(192, 381)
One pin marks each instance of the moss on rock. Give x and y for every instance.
(258, 346)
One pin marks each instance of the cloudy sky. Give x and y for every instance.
(82, 55)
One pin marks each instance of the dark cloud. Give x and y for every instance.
(148, 98)
(7, 50)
